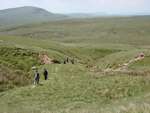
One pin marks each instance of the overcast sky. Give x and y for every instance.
(86, 6)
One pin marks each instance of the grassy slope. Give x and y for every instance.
(127, 30)
(15, 65)
(74, 88)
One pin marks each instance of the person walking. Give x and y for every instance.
(36, 78)
(45, 73)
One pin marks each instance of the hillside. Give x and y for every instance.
(108, 74)
(26, 15)
(118, 30)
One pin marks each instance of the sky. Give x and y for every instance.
(84, 6)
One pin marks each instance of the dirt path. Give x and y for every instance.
(121, 67)
(124, 66)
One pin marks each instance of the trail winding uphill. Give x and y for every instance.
(121, 67)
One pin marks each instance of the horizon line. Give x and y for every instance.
(142, 13)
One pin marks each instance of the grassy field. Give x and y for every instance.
(96, 83)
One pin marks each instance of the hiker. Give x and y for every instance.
(67, 60)
(72, 61)
(36, 77)
(45, 73)
(64, 61)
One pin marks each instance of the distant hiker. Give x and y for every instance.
(45, 73)
(64, 61)
(36, 77)
(67, 60)
(72, 61)
(142, 55)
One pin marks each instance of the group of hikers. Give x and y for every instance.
(68, 60)
(45, 71)
(37, 76)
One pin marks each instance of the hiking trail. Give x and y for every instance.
(124, 66)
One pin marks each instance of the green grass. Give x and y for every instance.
(69, 89)
(123, 30)
(94, 43)
(15, 65)
(18, 58)
(143, 64)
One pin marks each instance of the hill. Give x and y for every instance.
(26, 15)
(123, 30)
(108, 74)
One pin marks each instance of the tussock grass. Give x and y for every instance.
(15, 65)
(103, 43)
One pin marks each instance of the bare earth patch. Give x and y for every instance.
(45, 59)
